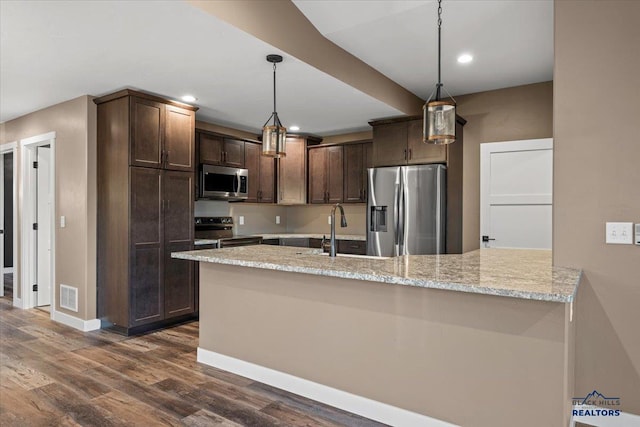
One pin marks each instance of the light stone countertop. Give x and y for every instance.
(517, 273)
(313, 236)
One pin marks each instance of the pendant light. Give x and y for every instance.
(439, 126)
(274, 136)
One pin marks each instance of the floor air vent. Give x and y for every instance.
(69, 297)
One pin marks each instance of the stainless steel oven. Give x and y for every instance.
(217, 232)
(223, 183)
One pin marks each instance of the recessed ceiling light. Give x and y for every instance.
(294, 128)
(189, 98)
(465, 58)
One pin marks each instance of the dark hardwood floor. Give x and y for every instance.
(54, 375)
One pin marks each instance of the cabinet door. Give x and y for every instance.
(147, 131)
(390, 144)
(334, 174)
(353, 173)
(179, 143)
(292, 173)
(146, 295)
(419, 152)
(267, 178)
(368, 163)
(252, 163)
(233, 153)
(356, 247)
(317, 175)
(179, 278)
(211, 148)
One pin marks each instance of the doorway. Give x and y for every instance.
(38, 213)
(8, 221)
(516, 185)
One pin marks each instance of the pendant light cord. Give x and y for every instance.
(275, 114)
(439, 49)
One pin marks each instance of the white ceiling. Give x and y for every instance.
(54, 51)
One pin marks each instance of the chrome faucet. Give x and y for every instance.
(343, 223)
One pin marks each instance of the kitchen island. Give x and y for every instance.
(478, 339)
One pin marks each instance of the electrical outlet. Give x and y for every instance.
(277, 219)
(637, 234)
(619, 233)
(63, 221)
(241, 220)
(329, 220)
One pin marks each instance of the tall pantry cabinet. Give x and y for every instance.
(146, 170)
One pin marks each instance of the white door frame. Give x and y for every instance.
(28, 208)
(485, 152)
(12, 147)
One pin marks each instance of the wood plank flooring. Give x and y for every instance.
(53, 375)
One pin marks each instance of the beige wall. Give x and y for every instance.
(597, 179)
(455, 356)
(259, 218)
(313, 219)
(522, 112)
(74, 122)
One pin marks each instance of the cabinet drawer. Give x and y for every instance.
(300, 242)
(274, 242)
(315, 243)
(355, 247)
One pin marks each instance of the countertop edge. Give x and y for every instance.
(394, 280)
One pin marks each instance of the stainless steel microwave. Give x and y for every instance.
(223, 183)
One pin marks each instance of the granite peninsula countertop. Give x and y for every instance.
(313, 236)
(516, 273)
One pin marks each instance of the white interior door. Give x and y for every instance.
(43, 208)
(516, 182)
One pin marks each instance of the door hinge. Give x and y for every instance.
(35, 288)
(35, 165)
(35, 226)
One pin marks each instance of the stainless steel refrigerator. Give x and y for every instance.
(406, 210)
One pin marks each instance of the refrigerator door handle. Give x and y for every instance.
(397, 215)
(401, 213)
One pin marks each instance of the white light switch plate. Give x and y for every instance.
(241, 220)
(329, 220)
(63, 221)
(619, 233)
(277, 219)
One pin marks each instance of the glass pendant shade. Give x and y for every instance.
(273, 141)
(439, 122)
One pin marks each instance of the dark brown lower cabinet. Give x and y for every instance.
(179, 296)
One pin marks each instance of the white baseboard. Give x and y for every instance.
(17, 302)
(363, 406)
(74, 322)
(8, 270)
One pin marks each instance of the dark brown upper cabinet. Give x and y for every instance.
(292, 172)
(261, 174)
(357, 158)
(162, 135)
(219, 150)
(325, 174)
(400, 143)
